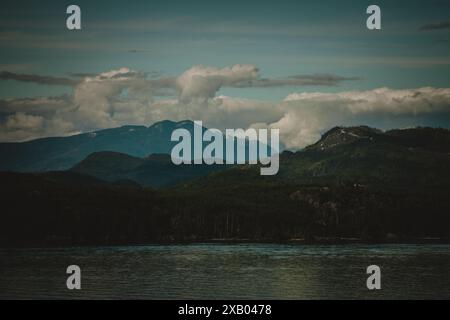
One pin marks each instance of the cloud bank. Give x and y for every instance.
(436, 26)
(124, 96)
(48, 80)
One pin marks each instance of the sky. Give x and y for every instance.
(300, 66)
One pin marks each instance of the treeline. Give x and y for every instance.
(39, 212)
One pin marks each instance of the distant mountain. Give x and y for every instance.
(433, 139)
(157, 170)
(61, 153)
(405, 159)
(339, 136)
(410, 158)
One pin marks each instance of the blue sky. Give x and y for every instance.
(281, 38)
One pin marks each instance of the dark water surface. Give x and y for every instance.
(217, 271)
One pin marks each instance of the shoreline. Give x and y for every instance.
(302, 242)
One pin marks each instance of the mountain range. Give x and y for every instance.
(408, 159)
(355, 182)
(62, 153)
(415, 157)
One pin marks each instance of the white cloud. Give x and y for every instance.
(413, 101)
(21, 120)
(20, 127)
(307, 115)
(200, 83)
(124, 96)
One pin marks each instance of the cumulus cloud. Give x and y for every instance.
(307, 115)
(125, 96)
(24, 121)
(21, 126)
(221, 112)
(200, 83)
(38, 105)
(99, 100)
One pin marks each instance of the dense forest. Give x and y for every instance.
(54, 213)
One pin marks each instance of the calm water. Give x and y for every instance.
(248, 271)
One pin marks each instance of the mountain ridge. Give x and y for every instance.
(388, 160)
(436, 139)
(362, 155)
(156, 170)
(61, 153)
